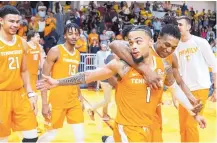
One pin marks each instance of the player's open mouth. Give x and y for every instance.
(135, 54)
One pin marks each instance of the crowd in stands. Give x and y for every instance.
(104, 23)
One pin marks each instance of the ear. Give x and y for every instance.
(1, 21)
(188, 27)
(151, 42)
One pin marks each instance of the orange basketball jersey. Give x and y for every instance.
(66, 65)
(11, 56)
(33, 58)
(136, 102)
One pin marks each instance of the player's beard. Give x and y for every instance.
(139, 60)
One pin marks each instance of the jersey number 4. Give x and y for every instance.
(13, 63)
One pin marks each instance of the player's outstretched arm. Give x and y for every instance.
(80, 78)
(178, 94)
(180, 82)
(121, 49)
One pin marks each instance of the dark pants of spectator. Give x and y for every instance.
(158, 31)
(33, 10)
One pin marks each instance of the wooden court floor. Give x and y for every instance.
(94, 130)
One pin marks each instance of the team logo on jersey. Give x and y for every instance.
(160, 72)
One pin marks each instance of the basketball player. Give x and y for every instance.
(136, 104)
(63, 61)
(17, 99)
(164, 47)
(194, 57)
(34, 57)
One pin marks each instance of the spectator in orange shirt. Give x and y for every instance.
(93, 36)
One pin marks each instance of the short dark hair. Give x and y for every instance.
(130, 28)
(169, 20)
(7, 9)
(70, 26)
(31, 34)
(170, 29)
(186, 18)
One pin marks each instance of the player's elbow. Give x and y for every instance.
(113, 45)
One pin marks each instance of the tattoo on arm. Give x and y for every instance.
(169, 73)
(73, 80)
(125, 67)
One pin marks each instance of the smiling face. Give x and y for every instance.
(139, 43)
(166, 45)
(72, 35)
(10, 23)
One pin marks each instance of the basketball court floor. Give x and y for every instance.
(94, 130)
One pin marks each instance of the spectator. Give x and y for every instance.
(104, 38)
(184, 8)
(101, 9)
(33, 7)
(60, 19)
(155, 6)
(67, 6)
(211, 38)
(212, 20)
(119, 36)
(209, 33)
(147, 6)
(157, 25)
(205, 21)
(94, 47)
(178, 12)
(81, 45)
(83, 35)
(41, 19)
(136, 9)
(203, 33)
(77, 19)
(33, 25)
(93, 36)
(203, 12)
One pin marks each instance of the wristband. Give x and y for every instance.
(31, 94)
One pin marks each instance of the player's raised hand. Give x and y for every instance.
(46, 83)
(153, 79)
(201, 121)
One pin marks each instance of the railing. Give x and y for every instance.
(87, 62)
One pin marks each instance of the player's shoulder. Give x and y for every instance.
(198, 39)
(54, 51)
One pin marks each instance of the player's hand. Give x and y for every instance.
(46, 83)
(33, 102)
(80, 98)
(152, 78)
(46, 112)
(197, 106)
(213, 96)
(201, 121)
